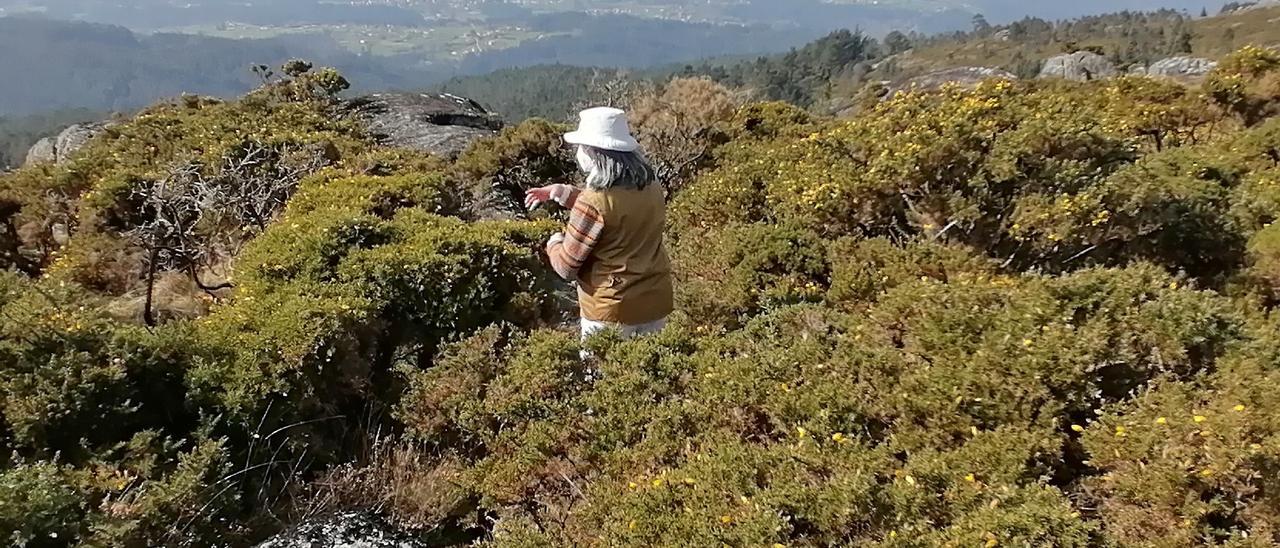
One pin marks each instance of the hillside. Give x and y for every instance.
(802, 76)
(829, 73)
(544, 91)
(1027, 313)
(1125, 38)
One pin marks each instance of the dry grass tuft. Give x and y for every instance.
(399, 479)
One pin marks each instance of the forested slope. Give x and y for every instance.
(828, 73)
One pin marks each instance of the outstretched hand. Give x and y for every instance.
(535, 197)
(561, 194)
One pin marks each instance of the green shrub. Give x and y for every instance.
(1247, 84)
(1164, 113)
(862, 270)
(117, 453)
(940, 414)
(739, 271)
(74, 382)
(39, 506)
(1194, 463)
(1052, 177)
(329, 298)
(379, 195)
(1169, 208)
(1263, 273)
(275, 132)
(768, 121)
(1257, 196)
(733, 194)
(171, 497)
(497, 171)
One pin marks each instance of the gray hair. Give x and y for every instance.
(613, 169)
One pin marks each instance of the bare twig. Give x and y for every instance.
(1080, 254)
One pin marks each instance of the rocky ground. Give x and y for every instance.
(346, 530)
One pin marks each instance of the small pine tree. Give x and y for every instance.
(897, 42)
(980, 25)
(1182, 42)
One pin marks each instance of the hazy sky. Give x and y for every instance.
(933, 14)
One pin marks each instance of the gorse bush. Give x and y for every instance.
(198, 430)
(874, 175)
(915, 421)
(1026, 314)
(242, 154)
(743, 270)
(40, 506)
(105, 447)
(1048, 177)
(1194, 463)
(1247, 84)
(863, 269)
(498, 171)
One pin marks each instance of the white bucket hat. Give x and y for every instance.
(605, 128)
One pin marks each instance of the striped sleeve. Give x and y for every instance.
(580, 238)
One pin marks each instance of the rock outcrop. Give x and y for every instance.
(61, 147)
(345, 530)
(1080, 66)
(963, 76)
(441, 124)
(1260, 4)
(1182, 67)
(43, 151)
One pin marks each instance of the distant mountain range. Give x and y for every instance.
(53, 63)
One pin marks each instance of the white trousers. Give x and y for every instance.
(590, 328)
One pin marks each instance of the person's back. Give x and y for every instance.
(628, 278)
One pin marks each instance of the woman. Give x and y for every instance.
(613, 244)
